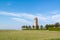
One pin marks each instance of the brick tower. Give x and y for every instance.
(35, 23)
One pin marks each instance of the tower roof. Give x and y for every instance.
(35, 18)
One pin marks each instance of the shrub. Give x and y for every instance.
(54, 29)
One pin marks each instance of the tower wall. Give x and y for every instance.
(35, 23)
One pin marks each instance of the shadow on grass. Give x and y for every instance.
(53, 39)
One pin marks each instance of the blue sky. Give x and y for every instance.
(15, 13)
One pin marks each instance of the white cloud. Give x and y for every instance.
(54, 12)
(56, 18)
(9, 14)
(29, 16)
(22, 21)
(26, 17)
(19, 19)
(42, 17)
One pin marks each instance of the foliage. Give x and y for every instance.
(46, 26)
(55, 26)
(26, 27)
(33, 26)
(54, 29)
(41, 27)
(37, 28)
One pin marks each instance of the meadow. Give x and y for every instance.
(29, 35)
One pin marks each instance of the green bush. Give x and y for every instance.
(54, 29)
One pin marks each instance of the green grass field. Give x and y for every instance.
(29, 35)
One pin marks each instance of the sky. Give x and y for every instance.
(15, 13)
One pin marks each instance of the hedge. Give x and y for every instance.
(54, 29)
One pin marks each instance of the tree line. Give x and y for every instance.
(41, 27)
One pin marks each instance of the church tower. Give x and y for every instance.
(35, 23)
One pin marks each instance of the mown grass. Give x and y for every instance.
(29, 35)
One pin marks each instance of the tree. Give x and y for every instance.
(46, 26)
(49, 26)
(33, 26)
(41, 27)
(29, 27)
(57, 24)
(37, 27)
(23, 27)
